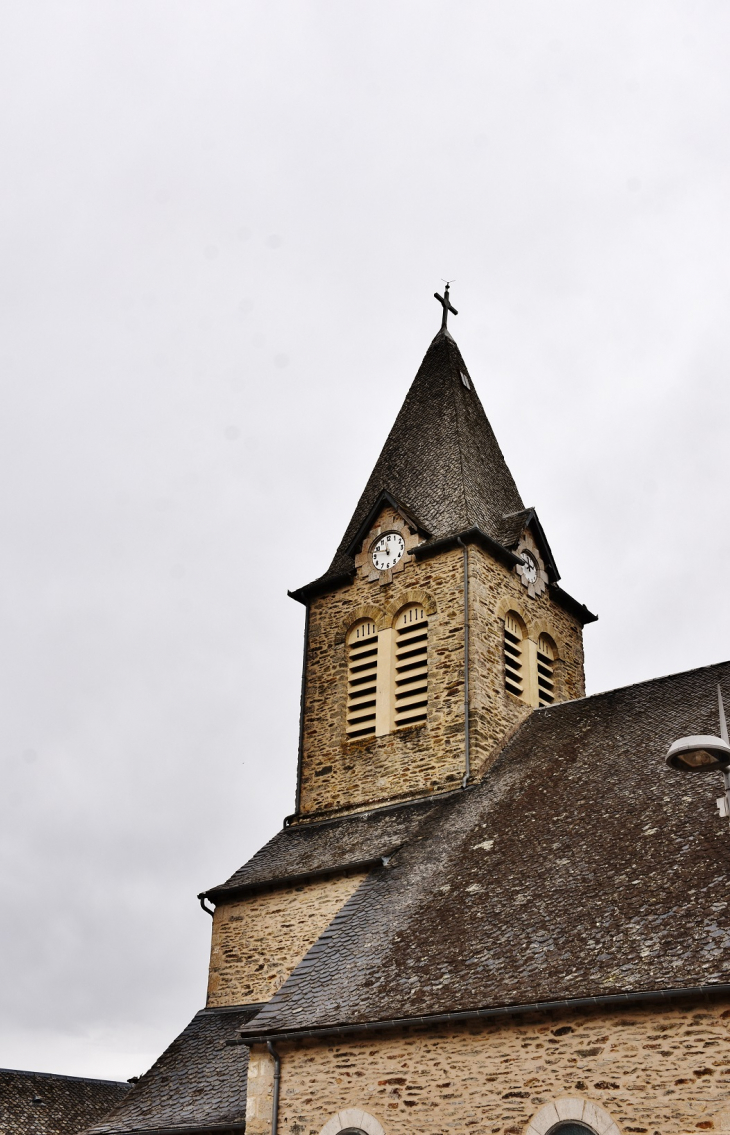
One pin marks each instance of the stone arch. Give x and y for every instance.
(572, 1108)
(513, 604)
(413, 595)
(516, 656)
(352, 1117)
(367, 611)
(544, 627)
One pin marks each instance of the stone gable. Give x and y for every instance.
(258, 941)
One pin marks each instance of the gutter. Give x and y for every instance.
(193, 1129)
(571, 605)
(321, 586)
(432, 548)
(509, 559)
(471, 536)
(330, 816)
(222, 894)
(300, 754)
(277, 1080)
(609, 1000)
(467, 756)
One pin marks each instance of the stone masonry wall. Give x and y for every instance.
(655, 1070)
(338, 774)
(258, 941)
(494, 590)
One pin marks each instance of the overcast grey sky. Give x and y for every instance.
(222, 225)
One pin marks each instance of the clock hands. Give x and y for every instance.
(388, 551)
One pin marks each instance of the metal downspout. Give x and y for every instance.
(277, 1079)
(467, 754)
(297, 801)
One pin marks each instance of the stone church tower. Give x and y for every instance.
(495, 909)
(440, 622)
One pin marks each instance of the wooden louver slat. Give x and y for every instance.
(545, 671)
(362, 664)
(514, 677)
(411, 667)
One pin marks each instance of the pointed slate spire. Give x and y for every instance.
(441, 462)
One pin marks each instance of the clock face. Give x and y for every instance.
(529, 571)
(388, 551)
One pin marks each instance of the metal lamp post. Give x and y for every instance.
(706, 754)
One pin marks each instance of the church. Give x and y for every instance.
(496, 909)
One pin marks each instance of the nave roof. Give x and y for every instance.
(40, 1103)
(580, 866)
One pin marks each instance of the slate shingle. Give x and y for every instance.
(441, 459)
(199, 1082)
(580, 866)
(38, 1103)
(333, 845)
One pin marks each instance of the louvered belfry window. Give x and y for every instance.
(362, 667)
(514, 655)
(545, 670)
(410, 686)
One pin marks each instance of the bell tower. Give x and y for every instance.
(440, 623)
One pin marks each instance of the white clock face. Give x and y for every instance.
(529, 571)
(388, 551)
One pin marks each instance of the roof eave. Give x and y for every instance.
(229, 894)
(599, 1001)
(468, 536)
(578, 610)
(187, 1129)
(321, 586)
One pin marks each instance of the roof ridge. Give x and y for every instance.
(300, 971)
(429, 798)
(63, 1076)
(630, 686)
(457, 415)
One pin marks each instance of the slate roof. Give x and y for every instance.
(441, 460)
(38, 1103)
(581, 866)
(307, 850)
(198, 1084)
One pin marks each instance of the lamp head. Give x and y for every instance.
(699, 754)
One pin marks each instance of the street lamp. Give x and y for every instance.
(706, 754)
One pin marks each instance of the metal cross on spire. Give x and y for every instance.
(446, 305)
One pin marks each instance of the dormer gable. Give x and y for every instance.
(386, 516)
(522, 531)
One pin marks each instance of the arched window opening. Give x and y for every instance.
(514, 655)
(362, 666)
(571, 1127)
(546, 655)
(411, 666)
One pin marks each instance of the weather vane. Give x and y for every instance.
(445, 304)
